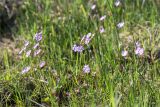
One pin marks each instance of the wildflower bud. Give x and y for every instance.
(36, 46)
(139, 51)
(77, 48)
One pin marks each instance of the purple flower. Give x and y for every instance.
(77, 48)
(25, 70)
(124, 53)
(86, 69)
(26, 43)
(102, 18)
(120, 25)
(38, 36)
(93, 7)
(117, 3)
(74, 48)
(36, 45)
(101, 30)
(139, 51)
(36, 52)
(87, 38)
(42, 64)
(28, 53)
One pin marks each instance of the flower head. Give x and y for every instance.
(42, 64)
(26, 43)
(38, 37)
(25, 70)
(102, 18)
(120, 25)
(77, 48)
(124, 53)
(36, 52)
(87, 38)
(86, 69)
(36, 45)
(117, 3)
(93, 7)
(139, 51)
(101, 30)
(28, 53)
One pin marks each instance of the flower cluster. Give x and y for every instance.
(138, 50)
(84, 41)
(32, 51)
(77, 48)
(87, 38)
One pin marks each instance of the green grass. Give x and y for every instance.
(113, 80)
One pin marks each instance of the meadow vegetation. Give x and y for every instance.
(83, 53)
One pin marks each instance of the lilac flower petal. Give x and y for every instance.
(74, 48)
(86, 69)
(120, 25)
(93, 7)
(42, 64)
(77, 48)
(101, 30)
(26, 43)
(38, 37)
(117, 3)
(36, 45)
(139, 51)
(124, 53)
(102, 18)
(25, 70)
(80, 48)
(37, 52)
(87, 38)
(28, 53)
